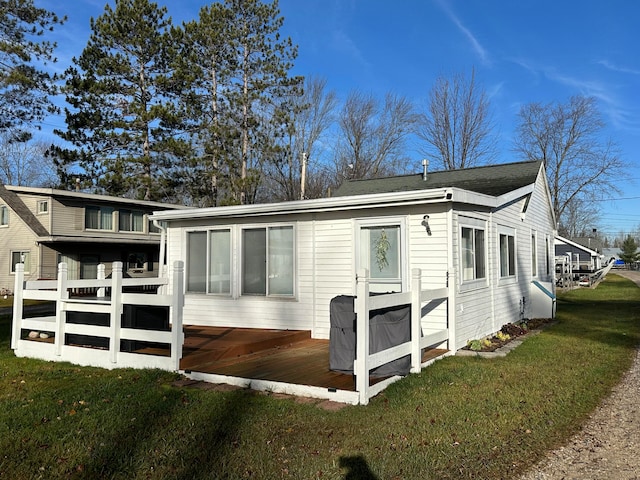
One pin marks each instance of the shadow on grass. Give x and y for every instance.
(357, 468)
(144, 428)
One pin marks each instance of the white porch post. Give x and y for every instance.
(177, 302)
(18, 286)
(416, 319)
(63, 294)
(101, 276)
(115, 314)
(361, 364)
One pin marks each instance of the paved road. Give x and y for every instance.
(633, 275)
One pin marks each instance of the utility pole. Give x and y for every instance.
(303, 175)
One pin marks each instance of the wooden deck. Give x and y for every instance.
(290, 356)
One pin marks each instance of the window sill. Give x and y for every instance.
(470, 285)
(507, 280)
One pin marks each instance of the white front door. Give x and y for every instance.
(380, 251)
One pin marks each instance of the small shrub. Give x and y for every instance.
(503, 337)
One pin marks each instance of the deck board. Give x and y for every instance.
(287, 357)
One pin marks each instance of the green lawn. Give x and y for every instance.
(460, 418)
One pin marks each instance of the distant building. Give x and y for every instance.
(583, 259)
(41, 227)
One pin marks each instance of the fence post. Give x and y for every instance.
(416, 319)
(18, 286)
(177, 302)
(361, 364)
(101, 276)
(63, 294)
(115, 315)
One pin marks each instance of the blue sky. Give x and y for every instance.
(523, 51)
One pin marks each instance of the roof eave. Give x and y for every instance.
(94, 240)
(52, 192)
(353, 202)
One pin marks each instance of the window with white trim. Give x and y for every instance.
(4, 216)
(23, 257)
(547, 254)
(209, 262)
(534, 255)
(267, 261)
(507, 246)
(43, 207)
(472, 253)
(98, 218)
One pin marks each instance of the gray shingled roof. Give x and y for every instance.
(491, 180)
(17, 205)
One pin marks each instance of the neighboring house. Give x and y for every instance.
(583, 259)
(41, 227)
(487, 233)
(591, 243)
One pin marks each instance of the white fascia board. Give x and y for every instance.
(515, 194)
(473, 198)
(355, 202)
(481, 199)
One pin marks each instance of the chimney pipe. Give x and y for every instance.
(425, 167)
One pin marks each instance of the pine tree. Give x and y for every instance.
(240, 82)
(24, 87)
(629, 253)
(125, 120)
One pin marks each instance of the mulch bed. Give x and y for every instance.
(514, 330)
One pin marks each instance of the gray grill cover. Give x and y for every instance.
(388, 327)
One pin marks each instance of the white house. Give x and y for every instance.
(487, 233)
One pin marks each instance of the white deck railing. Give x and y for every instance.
(420, 338)
(58, 328)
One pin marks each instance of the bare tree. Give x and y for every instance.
(298, 172)
(579, 219)
(457, 125)
(582, 165)
(25, 163)
(372, 136)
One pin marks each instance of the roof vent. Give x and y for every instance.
(425, 167)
